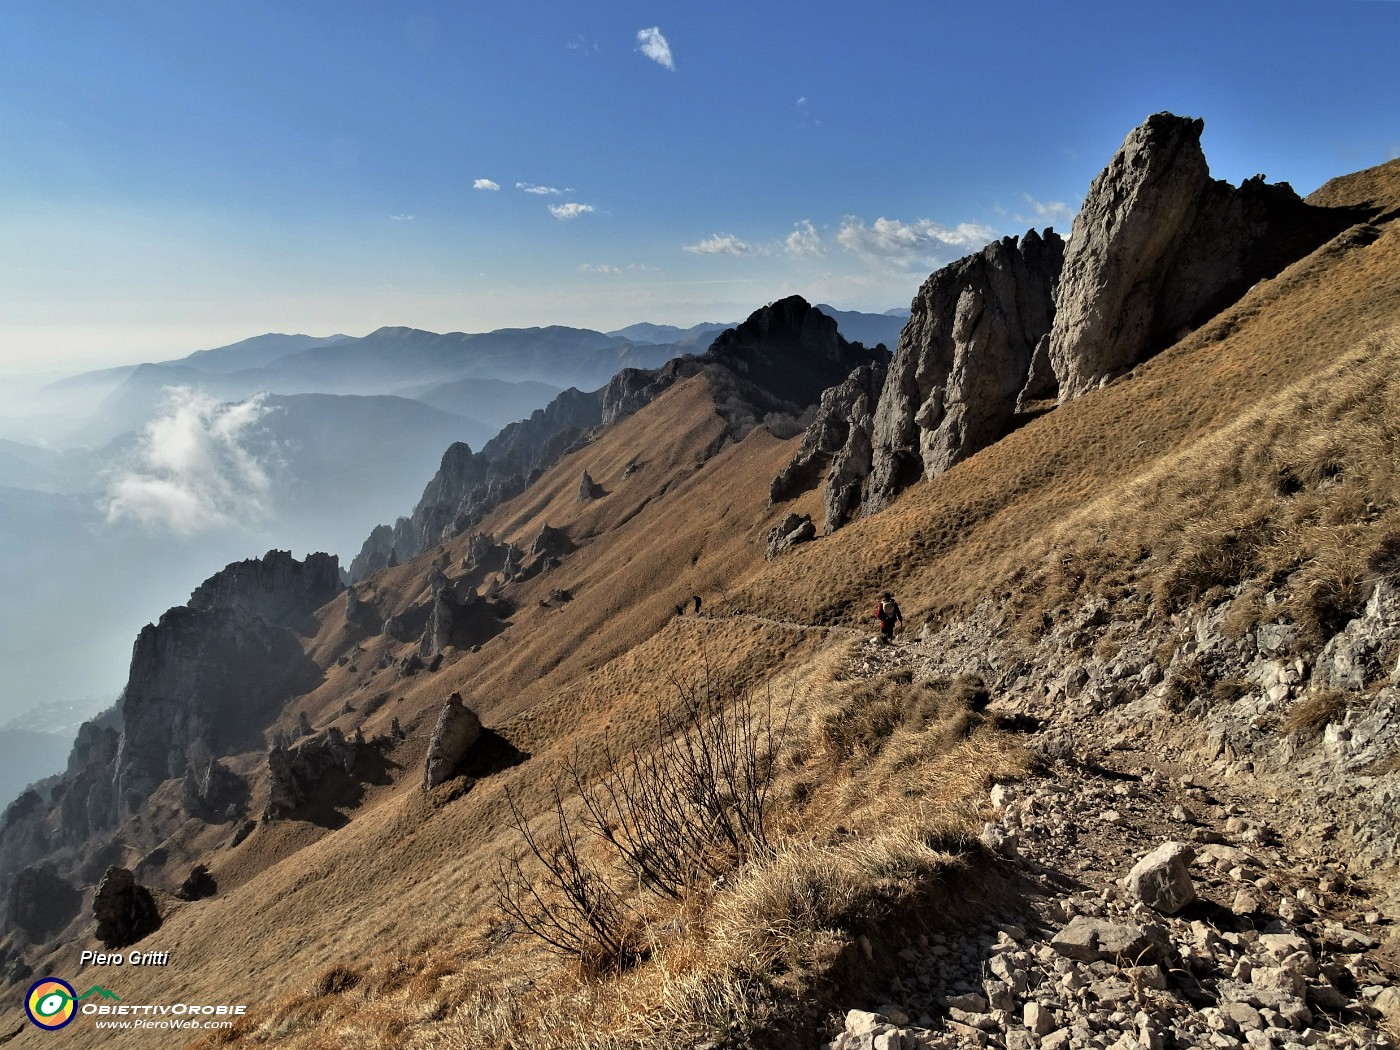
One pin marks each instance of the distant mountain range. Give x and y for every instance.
(351, 428)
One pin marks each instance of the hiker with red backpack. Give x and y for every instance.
(887, 612)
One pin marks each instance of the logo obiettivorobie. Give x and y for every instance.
(51, 1003)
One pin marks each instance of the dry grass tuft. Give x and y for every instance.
(1313, 712)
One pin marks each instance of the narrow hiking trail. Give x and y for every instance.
(1286, 945)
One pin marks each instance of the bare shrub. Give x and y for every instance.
(689, 810)
(696, 806)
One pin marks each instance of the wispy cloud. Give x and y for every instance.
(582, 44)
(402, 218)
(543, 191)
(804, 240)
(193, 468)
(804, 114)
(564, 212)
(1047, 211)
(485, 184)
(599, 268)
(889, 242)
(655, 47)
(720, 244)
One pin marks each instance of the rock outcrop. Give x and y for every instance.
(468, 485)
(457, 729)
(276, 588)
(551, 541)
(361, 615)
(198, 885)
(40, 902)
(1159, 246)
(321, 771)
(123, 910)
(789, 532)
(588, 489)
(962, 361)
(213, 791)
(838, 442)
(201, 682)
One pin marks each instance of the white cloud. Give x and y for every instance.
(804, 240)
(485, 184)
(564, 212)
(1047, 212)
(720, 244)
(655, 47)
(192, 468)
(402, 218)
(598, 268)
(543, 191)
(583, 44)
(920, 243)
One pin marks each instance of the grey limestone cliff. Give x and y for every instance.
(1159, 246)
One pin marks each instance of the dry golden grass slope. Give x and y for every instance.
(384, 932)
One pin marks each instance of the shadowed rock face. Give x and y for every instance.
(40, 902)
(839, 439)
(790, 350)
(123, 910)
(276, 587)
(457, 729)
(951, 389)
(201, 683)
(963, 359)
(469, 485)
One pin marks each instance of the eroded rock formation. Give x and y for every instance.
(457, 729)
(789, 532)
(1159, 246)
(40, 902)
(963, 359)
(123, 910)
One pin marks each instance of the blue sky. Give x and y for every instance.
(179, 175)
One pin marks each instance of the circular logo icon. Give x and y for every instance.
(51, 1003)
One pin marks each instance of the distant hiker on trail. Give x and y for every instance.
(887, 612)
(696, 599)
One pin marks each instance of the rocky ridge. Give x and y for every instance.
(204, 682)
(773, 366)
(468, 485)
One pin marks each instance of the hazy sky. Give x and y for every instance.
(177, 175)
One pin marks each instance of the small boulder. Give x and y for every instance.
(789, 532)
(198, 885)
(1096, 940)
(1162, 879)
